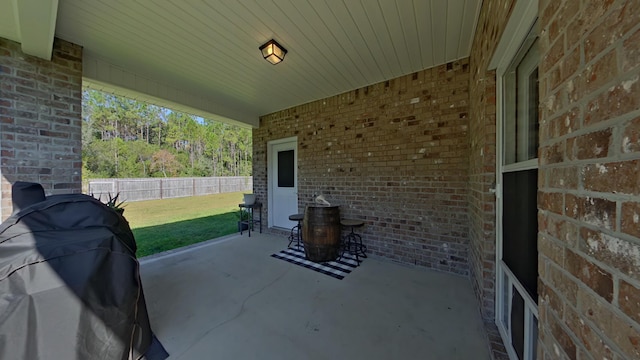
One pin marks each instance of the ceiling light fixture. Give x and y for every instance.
(273, 52)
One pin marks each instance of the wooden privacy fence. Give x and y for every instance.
(163, 188)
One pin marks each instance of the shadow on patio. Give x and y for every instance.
(229, 299)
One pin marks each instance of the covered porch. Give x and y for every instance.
(409, 140)
(229, 299)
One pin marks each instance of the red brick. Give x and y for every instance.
(630, 218)
(571, 63)
(620, 254)
(596, 346)
(562, 337)
(576, 30)
(560, 125)
(631, 52)
(628, 16)
(563, 284)
(629, 300)
(589, 146)
(548, 297)
(574, 89)
(563, 178)
(618, 177)
(551, 201)
(571, 207)
(631, 137)
(548, 12)
(553, 56)
(555, 103)
(626, 336)
(601, 72)
(603, 35)
(552, 154)
(18, 97)
(7, 153)
(19, 82)
(590, 274)
(32, 76)
(614, 101)
(42, 94)
(593, 211)
(595, 11)
(559, 228)
(566, 14)
(551, 249)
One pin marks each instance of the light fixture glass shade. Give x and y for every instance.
(273, 52)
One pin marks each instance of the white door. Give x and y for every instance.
(517, 226)
(283, 182)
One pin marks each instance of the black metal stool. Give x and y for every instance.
(352, 243)
(295, 231)
(251, 221)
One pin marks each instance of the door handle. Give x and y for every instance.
(495, 189)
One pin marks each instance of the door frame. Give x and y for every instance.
(270, 173)
(521, 21)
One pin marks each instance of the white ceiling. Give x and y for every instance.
(210, 48)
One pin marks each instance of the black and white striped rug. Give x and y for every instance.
(337, 269)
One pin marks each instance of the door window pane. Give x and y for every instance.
(517, 324)
(286, 171)
(506, 285)
(521, 109)
(520, 228)
(531, 149)
(533, 336)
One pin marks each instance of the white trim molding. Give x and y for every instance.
(523, 16)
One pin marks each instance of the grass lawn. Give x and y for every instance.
(160, 225)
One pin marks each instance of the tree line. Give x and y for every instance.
(125, 138)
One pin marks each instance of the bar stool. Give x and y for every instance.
(352, 242)
(295, 231)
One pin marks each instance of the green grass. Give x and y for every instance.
(161, 225)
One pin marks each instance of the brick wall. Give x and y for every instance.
(40, 122)
(482, 164)
(589, 198)
(401, 167)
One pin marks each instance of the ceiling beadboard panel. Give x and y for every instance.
(210, 47)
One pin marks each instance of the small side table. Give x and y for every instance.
(251, 221)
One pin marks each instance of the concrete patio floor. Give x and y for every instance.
(229, 299)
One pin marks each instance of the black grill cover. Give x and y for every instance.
(70, 285)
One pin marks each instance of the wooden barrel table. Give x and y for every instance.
(321, 233)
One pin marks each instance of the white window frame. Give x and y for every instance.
(522, 19)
